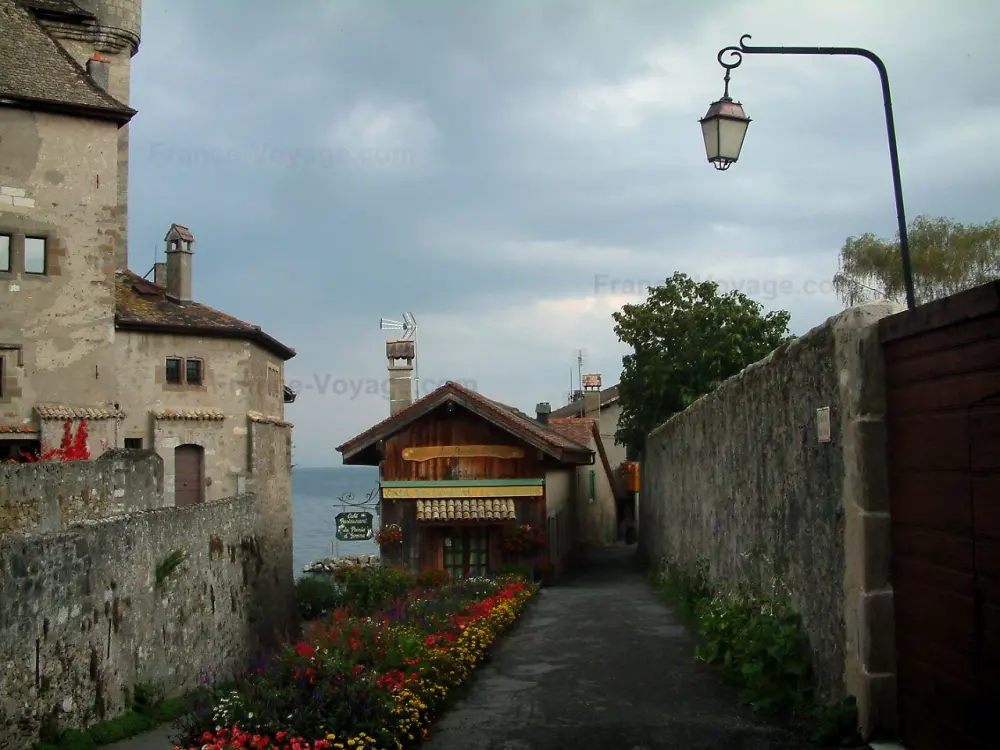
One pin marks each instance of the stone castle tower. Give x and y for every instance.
(112, 29)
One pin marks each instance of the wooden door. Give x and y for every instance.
(984, 431)
(189, 475)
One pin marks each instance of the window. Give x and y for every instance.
(133, 444)
(466, 552)
(173, 371)
(34, 255)
(5, 253)
(181, 371)
(193, 371)
(274, 385)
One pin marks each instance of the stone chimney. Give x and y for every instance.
(180, 249)
(97, 69)
(542, 412)
(400, 354)
(592, 396)
(160, 274)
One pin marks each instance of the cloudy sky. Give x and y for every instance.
(513, 171)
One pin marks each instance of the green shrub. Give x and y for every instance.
(365, 590)
(756, 639)
(522, 571)
(316, 595)
(122, 727)
(75, 739)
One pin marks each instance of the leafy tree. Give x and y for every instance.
(946, 256)
(686, 340)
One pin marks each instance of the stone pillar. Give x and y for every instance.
(869, 614)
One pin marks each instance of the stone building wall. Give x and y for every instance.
(165, 415)
(58, 181)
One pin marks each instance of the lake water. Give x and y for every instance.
(318, 495)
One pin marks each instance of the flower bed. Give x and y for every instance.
(364, 682)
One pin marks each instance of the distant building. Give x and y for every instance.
(602, 409)
(602, 405)
(459, 472)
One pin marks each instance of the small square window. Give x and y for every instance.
(5, 252)
(133, 444)
(173, 371)
(35, 260)
(193, 371)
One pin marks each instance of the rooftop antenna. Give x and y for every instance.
(408, 326)
(579, 367)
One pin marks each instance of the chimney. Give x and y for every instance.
(180, 249)
(542, 412)
(160, 274)
(592, 396)
(400, 354)
(97, 69)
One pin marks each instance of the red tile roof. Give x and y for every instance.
(180, 232)
(17, 429)
(577, 429)
(514, 421)
(144, 306)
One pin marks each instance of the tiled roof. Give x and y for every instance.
(39, 74)
(205, 413)
(577, 429)
(467, 509)
(608, 397)
(179, 232)
(515, 421)
(17, 429)
(143, 305)
(256, 416)
(63, 412)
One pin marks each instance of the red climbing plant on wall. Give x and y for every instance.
(73, 447)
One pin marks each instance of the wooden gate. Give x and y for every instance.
(189, 475)
(943, 429)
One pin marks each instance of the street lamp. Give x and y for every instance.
(724, 127)
(725, 124)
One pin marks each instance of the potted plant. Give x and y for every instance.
(389, 534)
(523, 539)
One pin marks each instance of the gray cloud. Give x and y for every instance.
(468, 161)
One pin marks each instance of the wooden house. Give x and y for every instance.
(460, 472)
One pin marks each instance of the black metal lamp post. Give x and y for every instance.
(725, 125)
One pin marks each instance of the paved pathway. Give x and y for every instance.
(599, 663)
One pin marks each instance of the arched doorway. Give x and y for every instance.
(189, 475)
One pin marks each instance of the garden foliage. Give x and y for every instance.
(368, 676)
(753, 634)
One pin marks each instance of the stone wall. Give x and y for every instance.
(49, 496)
(90, 611)
(743, 480)
(271, 481)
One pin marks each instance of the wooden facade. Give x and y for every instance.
(943, 429)
(454, 447)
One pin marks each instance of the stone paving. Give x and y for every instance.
(600, 663)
